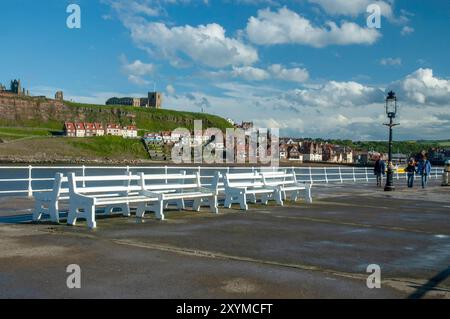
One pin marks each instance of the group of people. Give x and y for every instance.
(421, 167)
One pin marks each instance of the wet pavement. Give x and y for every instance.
(318, 250)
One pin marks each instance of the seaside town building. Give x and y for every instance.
(79, 130)
(153, 100)
(69, 129)
(113, 129)
(98, 129)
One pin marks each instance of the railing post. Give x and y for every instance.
(310, 175)
(367, 174)
(436, 171)
(326, 175)
(165, 173)
(354, 176)
(30, 189)
(340, 175)
(396, 171)
(84, 175)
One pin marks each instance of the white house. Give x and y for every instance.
(129, 131)
(113, 129)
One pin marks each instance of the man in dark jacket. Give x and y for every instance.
(424, 170)
(379, 170)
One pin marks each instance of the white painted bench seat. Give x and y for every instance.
(287, 182)
(174, 188)
(84, 199)
(242, 186)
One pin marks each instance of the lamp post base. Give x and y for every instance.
(389, 180)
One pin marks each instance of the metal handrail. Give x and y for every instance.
(312, 174)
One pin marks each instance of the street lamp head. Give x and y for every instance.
(391, 104)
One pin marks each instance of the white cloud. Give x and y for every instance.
(294, 74)
(391, 61)
(170, 89)
(406, 30)
(136, 70)
(204, 44)
(139, 68)
(286, 26)
(423, 88)
(352, 7)
(250, 73)
(335, 94)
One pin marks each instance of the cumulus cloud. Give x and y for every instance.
(286, 26)
(353, 7)
(204, 44)
(423, 87)
(250, 73)
(294, 74)
(136, 70)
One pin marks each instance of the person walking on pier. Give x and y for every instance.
(410, 171)
(379, 170)
(424, 170)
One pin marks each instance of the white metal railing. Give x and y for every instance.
(19, 180)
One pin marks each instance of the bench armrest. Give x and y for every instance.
(147, 193)
(236, 189)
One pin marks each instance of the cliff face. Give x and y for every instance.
(22, 109)
(32, 111)
(41, 112)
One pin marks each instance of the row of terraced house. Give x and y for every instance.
(83, 129)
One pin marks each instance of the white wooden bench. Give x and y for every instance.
(48, 202)
(242, 186)
(287, 182)
(174, 188)
(85, 198)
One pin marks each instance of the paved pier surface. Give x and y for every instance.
(318, 250)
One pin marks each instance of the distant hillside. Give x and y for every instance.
(46, 113)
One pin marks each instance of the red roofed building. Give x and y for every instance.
(99, 129)
(113, 129)
(89, 129)
(79, 130)
(69, 129)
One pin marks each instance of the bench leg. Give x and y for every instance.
(180, 204)
(38, 211)
(227, 203)
(89, 214)
(53, 211)
(159, 210)
(294, 195)
(72, 215)
(243, 201)
(308, 196)
(213, 204)
(140, 210)
(197, 204)
(279, 197)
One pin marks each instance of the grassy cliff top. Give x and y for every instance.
(147, 118)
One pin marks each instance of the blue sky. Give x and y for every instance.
(310, 67)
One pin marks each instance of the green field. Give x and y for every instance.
(107, 146)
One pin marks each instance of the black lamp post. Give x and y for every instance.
(391, 111)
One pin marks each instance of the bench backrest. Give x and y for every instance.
(243, 180)
(169, 182)
(278, 178)
(102, 184)
(57, 188)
